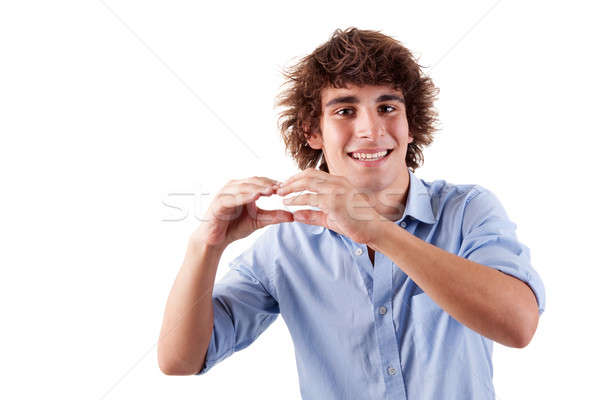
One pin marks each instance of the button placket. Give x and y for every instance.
(384, 325)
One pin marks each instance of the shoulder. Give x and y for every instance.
(449, 191)
(449, 197)
(469, 204)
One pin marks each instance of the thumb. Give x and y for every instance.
(268, 217)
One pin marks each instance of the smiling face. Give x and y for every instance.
(364, 136)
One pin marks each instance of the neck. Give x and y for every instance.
(391, 201)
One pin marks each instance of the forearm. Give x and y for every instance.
(188, 318)
(486, 300)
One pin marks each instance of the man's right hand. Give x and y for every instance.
(233, 213)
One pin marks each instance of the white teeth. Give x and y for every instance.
(369, 156)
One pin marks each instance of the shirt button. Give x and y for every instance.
(403, 224)
(391, 370)
(358, 252)
(382, 310)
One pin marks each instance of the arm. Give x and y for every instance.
(188, 319)
(488, 301)
(498, 305)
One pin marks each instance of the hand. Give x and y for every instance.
(233, 213)
(344, 208)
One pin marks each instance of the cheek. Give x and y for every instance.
(337, 127)
(334, 147)
(336, 135)
(399, 129)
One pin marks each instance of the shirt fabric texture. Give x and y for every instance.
(364, 332)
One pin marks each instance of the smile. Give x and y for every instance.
(370, 159)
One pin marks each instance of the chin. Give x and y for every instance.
(373, 185)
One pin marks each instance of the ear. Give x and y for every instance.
(410, 137)
(315, 139)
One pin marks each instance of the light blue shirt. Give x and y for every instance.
(364, 332)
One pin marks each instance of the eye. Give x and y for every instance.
(386, 108)
(344, 111)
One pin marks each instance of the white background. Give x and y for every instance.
(108, 108)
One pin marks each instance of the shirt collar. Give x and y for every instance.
(418, 202)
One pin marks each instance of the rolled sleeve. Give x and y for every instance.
(242, 310)
(489, 238)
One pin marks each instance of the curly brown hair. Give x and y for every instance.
(359, 57)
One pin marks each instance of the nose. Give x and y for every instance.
(368, 124)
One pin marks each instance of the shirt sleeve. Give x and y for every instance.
(489, 238)
(242, 309)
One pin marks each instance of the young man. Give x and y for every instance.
(395, 288)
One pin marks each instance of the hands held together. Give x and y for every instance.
(233, 213)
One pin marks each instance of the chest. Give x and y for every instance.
(371, 256)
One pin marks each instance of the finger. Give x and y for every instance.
(268, 217)
(241, 194)
(243, 188)
(228, 206)
(250, 185)
(304, 173)
(262, 180)
(314, 184)
(228, 201)
(311, 217)
(307, 199)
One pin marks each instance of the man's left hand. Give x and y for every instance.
(344, 208)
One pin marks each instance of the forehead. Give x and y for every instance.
(366, 92)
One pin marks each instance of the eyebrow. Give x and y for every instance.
(354, 99)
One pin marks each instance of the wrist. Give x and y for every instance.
(198, 244)
(379, 231)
